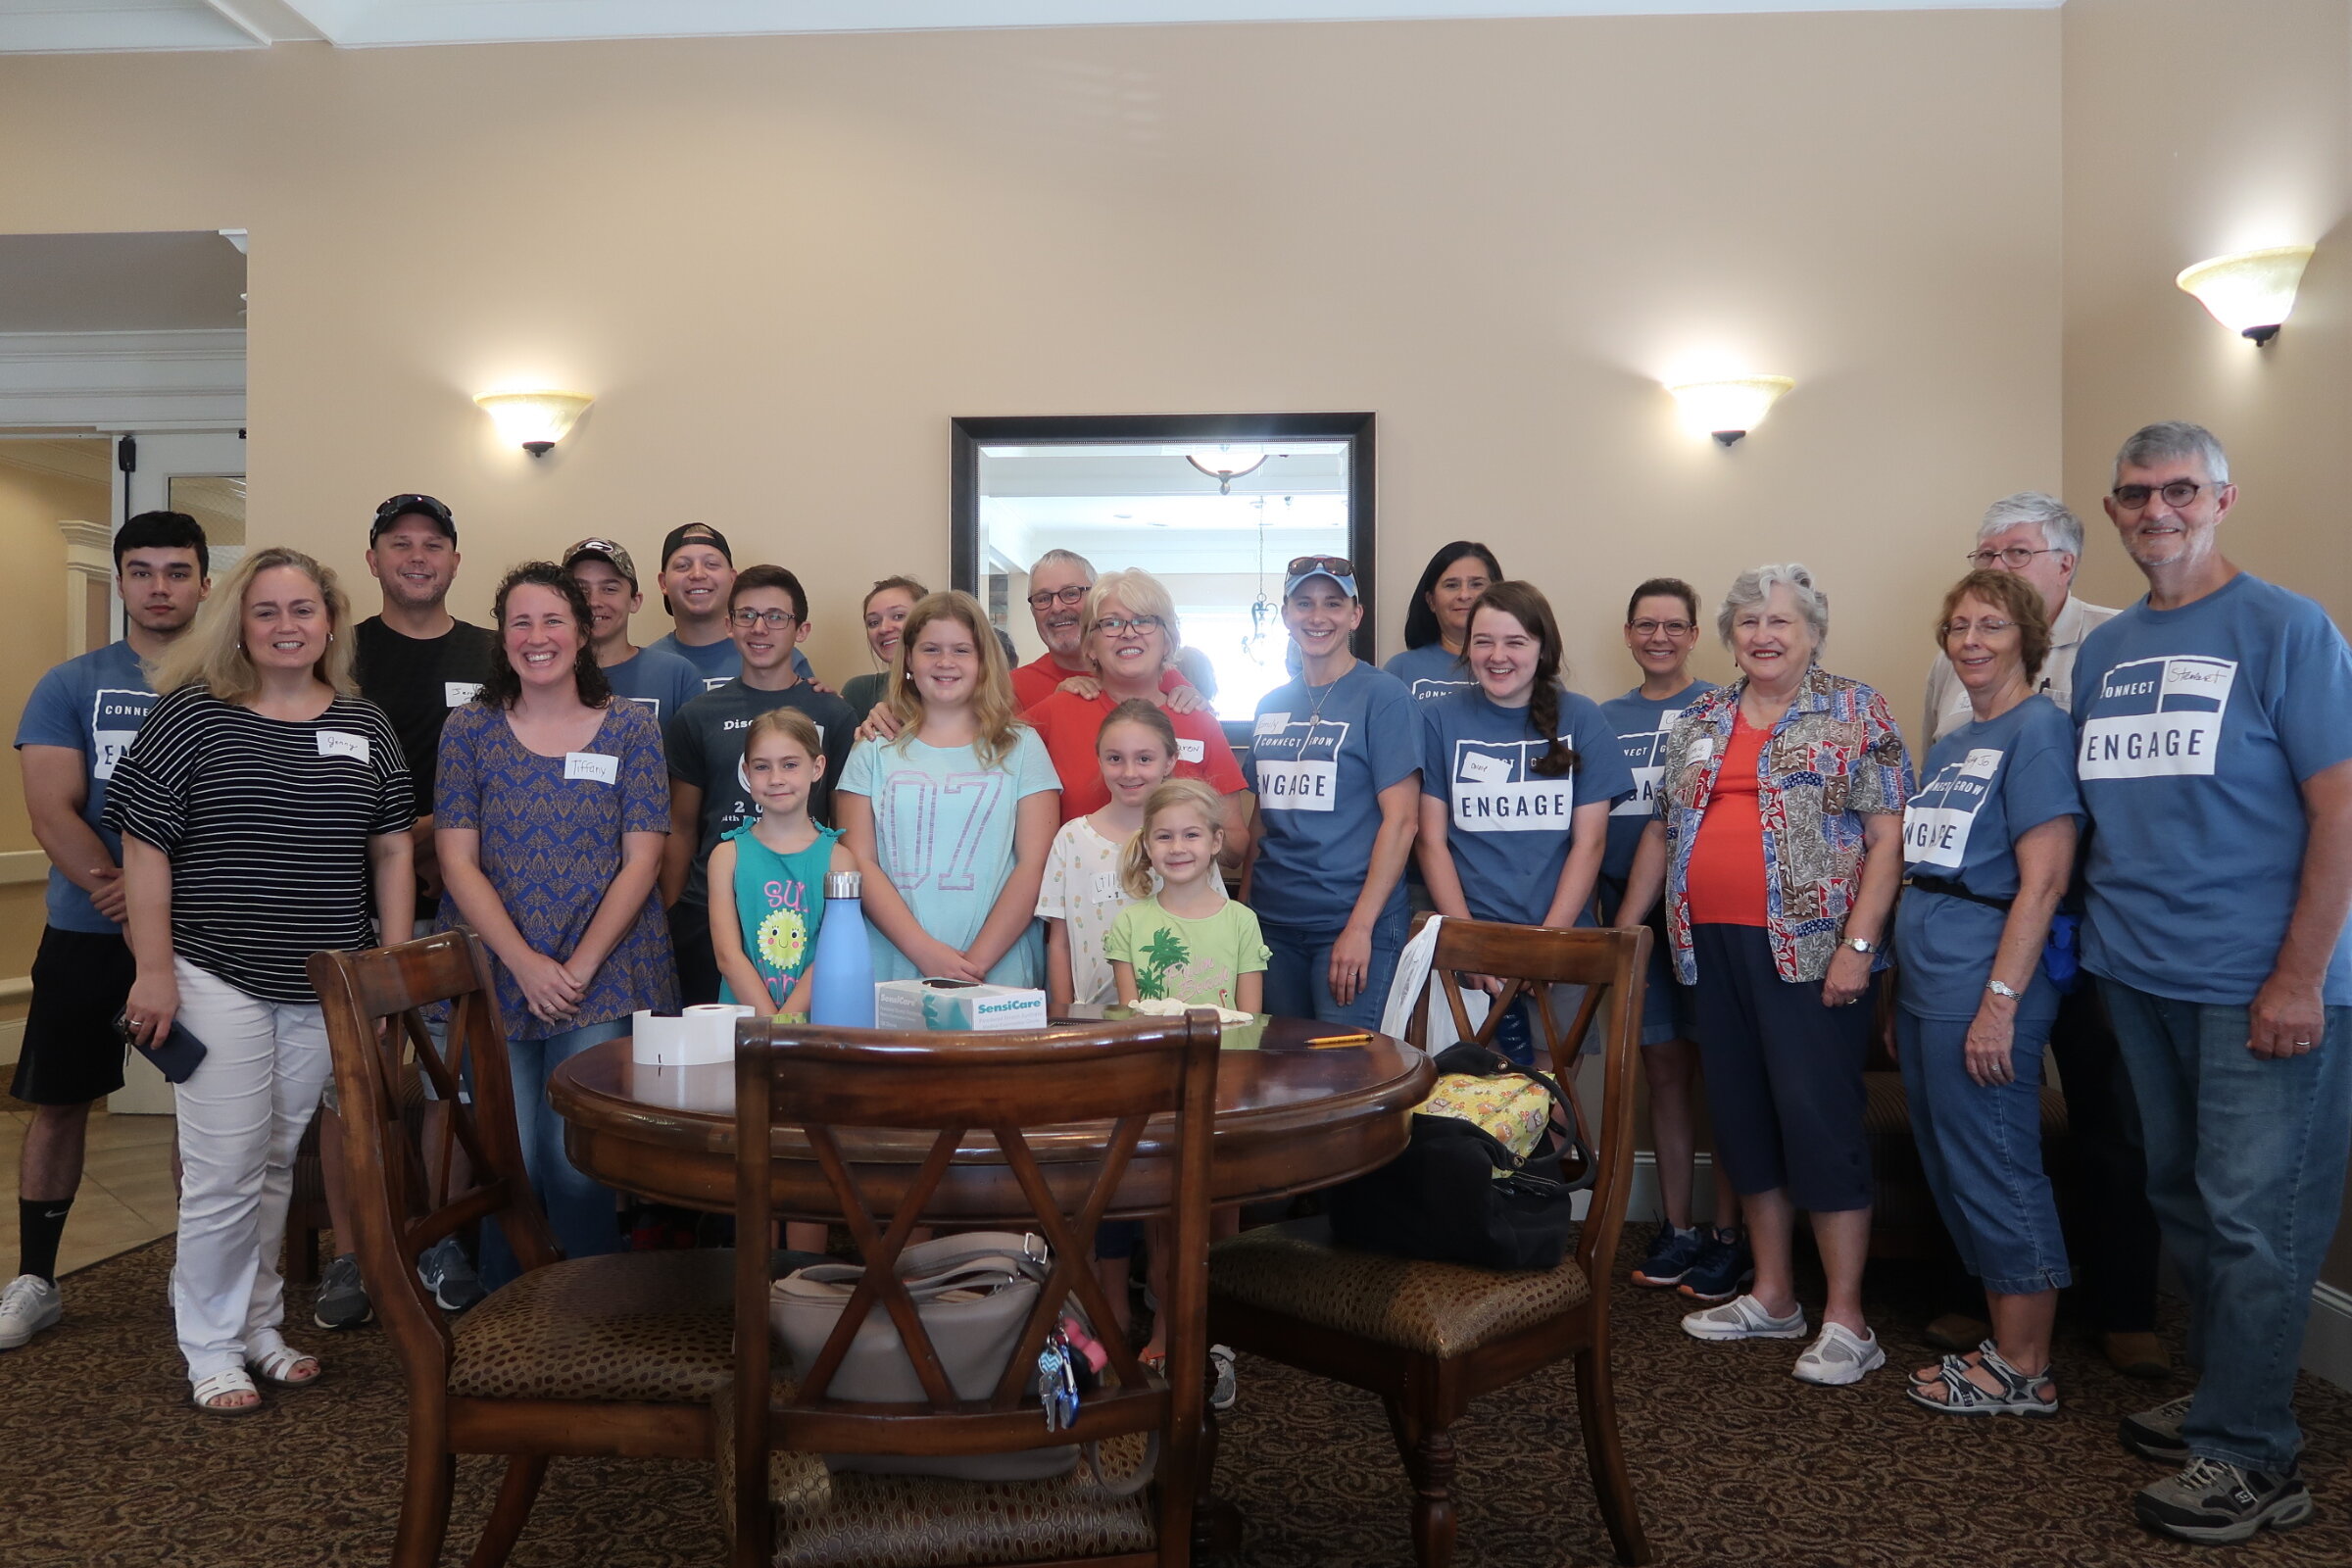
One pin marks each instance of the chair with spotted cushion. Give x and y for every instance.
(618, 1355)
(1430, 1338)
(844, 1088)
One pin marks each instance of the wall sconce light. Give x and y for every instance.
(534, 420)
(1226, 464)
(1729, 409)
(2249, 293)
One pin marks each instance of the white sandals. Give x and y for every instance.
(274, 1365)
(233, 1380)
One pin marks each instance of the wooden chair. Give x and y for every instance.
(835, 1083)
(620, 1355)
(1430, 1338)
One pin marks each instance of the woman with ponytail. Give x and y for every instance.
(1517, 775)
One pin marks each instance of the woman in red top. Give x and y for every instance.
(1130, 643)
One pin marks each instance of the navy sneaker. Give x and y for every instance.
(1515, 1036)
(1723, 1268)
(1671, 1252)
(448, 1273)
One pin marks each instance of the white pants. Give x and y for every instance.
(242, 1113)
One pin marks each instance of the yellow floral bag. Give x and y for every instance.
(1510, 1109)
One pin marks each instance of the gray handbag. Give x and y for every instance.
(974, 1292)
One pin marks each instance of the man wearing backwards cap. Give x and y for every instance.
(698, 573)
(660, 680)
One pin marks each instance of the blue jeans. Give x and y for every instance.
(1981, 1145)
(2247, 1173)
(580, 1210)
(1298, 972)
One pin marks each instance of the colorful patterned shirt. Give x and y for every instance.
(1834, 758)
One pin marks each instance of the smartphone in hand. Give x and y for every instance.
(177, 1058)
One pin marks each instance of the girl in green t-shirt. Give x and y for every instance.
(1189, 942)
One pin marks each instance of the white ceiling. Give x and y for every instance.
(97, 26)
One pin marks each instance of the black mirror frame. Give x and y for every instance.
(969, 435)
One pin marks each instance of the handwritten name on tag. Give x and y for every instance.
(342, 742)
(1189, 751)
(1478, 767)
(592, 765)
(1106, 888)
(458, 692)
(1271, 723)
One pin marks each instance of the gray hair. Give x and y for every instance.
(2060, 529)
(2151, 444)
(1064, 558)
(1752, 588)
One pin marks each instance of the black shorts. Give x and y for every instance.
(71, 1055)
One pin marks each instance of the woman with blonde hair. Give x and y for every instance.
(260, 804)
(952, 821)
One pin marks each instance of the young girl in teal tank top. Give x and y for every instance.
(772, 870)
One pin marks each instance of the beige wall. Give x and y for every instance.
(2257, 151)
(782, 264)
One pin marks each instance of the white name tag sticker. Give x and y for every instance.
(342, 742)
(1299, 786)
(1480, 768)
(1106, 887)
(1189, 751)
(1702, 748)
(592, 765)
(458, 692)
(1981, 763)
(1271, 723)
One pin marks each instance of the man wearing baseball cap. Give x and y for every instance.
(697, 574)
(660, 680)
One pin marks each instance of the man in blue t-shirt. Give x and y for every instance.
(2216, 768)
(697, 574)
(651, 677)
(81, 719)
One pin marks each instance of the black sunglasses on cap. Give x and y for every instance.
(420, 505)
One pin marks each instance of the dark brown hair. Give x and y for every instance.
(2012, 596)
(503, 685)
(1660, 588)
(1525, 603)
(778, 577)
(1420, 621)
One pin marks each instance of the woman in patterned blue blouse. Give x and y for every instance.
(552, 806)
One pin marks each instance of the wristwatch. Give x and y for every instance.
(1860, 946)
(1998, 989)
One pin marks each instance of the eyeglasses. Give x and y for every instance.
(1049, 597)
(2178, 493)
(2016, 557)
(774, 619)
(1116, 625)
(1337, 566)
(1650, 629)
(1990, 627)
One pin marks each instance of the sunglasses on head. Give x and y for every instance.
(1337, 566)
(403, 504)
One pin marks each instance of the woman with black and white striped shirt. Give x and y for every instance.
(259, 804)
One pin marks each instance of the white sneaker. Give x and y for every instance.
(29, 1304)
(1840, 1357)
(1744, 1318)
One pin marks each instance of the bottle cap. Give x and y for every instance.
(842, 884)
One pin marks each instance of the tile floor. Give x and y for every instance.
(127, 1195)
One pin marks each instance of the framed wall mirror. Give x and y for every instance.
(1216, 506)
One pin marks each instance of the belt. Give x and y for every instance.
(1955, 890)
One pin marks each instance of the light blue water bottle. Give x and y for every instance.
(844, 993)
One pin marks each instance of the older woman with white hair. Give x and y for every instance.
(1777, 841)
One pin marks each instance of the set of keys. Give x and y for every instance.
(1069, 1367)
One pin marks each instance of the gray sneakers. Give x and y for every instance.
(342, 1301)
(29, 1304)
(2156, 1434)
(448, 1273)
(2216, 1504)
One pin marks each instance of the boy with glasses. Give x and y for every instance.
(767, 615)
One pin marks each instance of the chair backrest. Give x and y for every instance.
(405, 1187)
(1112, 1076)
(1612, 964)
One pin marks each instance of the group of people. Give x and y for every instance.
(2132, 846)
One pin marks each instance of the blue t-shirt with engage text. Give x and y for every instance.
(719, 663)
(2196, 727)
(1508, 828)
(655, 679)
(93, 704)
(1429, 672)
(1643, 724)
(1986, 786)
(1319, 757)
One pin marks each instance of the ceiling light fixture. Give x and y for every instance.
(534, 420)
(2251, 292)
(1226, 464)
(1728, 410)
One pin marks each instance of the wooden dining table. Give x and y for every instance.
(1292, 1116)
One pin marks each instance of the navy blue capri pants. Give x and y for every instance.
(1784, 1074)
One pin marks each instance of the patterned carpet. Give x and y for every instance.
(102, 1462)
